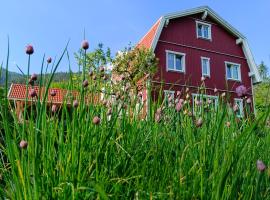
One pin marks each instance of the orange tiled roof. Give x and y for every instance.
(147, 40)
(18, 92)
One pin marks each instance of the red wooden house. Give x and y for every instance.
(198, 43)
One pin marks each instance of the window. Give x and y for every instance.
(233, 71)
(200, 101)
(239, 103)
(175, 61)
(168, 94)
(203, 30)
(205, 66)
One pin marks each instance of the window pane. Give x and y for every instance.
(229, 71)
(200, 30)
(178, 62)
(235, 72)
(170, 60)
(205, 64)
(205, 30)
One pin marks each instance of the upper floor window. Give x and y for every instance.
(205, 66)
(233, 71)
(203, 30)
(175, 61)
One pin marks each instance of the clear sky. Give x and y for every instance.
(48, 25)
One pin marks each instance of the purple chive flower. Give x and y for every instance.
(181, 101)
(223, 94)
(54, 108)
(49, 60)
(23, 144)
(241, 90)
(228, 124)
(85, 44)
(198, 103)
(261, 166)
(202, 78)
(235, 108)
(75, 104)
(34, 77)
(96, 120)
(178, 106)
(249, 100)
(157, 117)
(29, 49)
(91, 73)
(94, 77)
(33, 93)
(215, 90)
(199, 122)
(85, 83)
(178, 93)
(53, 93)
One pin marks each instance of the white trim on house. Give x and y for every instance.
(183, 61)
(241, 107)
(209, 30)
(250, 59)
(208, 66)
(204, 15)
(9, 90)
(238, 71)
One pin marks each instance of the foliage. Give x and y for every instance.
(93, 60)
(262, 68)
(134, 64)
(262, 90)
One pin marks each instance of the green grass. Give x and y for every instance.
(125, 157)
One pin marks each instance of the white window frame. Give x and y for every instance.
(209, 31)
(183, 61)
(208, 66)
(239, 71)
(195, 95)
(241, 107)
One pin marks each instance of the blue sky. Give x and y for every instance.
(48, 25)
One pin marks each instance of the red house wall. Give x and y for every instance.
(180, 36)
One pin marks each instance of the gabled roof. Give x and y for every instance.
(151, 38)
(18, 92)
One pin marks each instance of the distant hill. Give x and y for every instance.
(14, 77)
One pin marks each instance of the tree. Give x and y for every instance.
(95, 59)
(262, 68)
(262, 90)
(134, 64)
